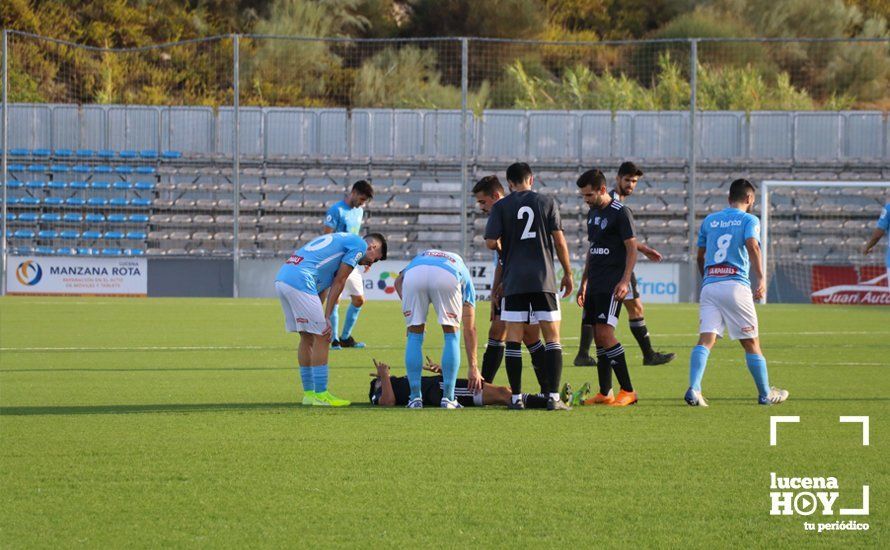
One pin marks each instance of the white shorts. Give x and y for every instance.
(728, 305)
(426, 284)
(355, 284)
(302, 310)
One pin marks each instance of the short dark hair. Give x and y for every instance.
(593, 178)
(489, 185)
(739, 189)
(382, 239)
(518, 172)
(629, 169)
(363, 187)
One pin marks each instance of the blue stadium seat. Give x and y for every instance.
(134, 252)
(105, 153)
(145, 170)
(65, 251)
(10, 217)
(86, 251)
(94, 218)
(144, 186)
(171, 155)
(100, 186)
(29, 201)
(123, 169)
(81, 169)
(57, 185)
(138, 218)
(36, 185)
(53, 201)
(50, 217)
(85, 153)
(60, 168)
(14, 184)
(112, 252)
(19, 152)
(117, 218)
(15, 168)
(48, 234)
(23, 234)
(36, 168)
(141, 202)
(28, 217)
(92, 235)
(74, 201)
(22, 250)
(128, 154)
(79, 185)
(63, 153)
(122, 186)
(97, 201)
(70, 235)
(114, 235)
(102, 169)
(148, 154)
(12, 201)
(136, 236)
(44, 251)
(41, 152)
(119, 202)
(72, 218)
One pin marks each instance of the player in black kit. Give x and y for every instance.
(610, 264)
(526, 230)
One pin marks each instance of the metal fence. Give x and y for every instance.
(253, 114)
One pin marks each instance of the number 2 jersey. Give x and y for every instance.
(525, 222)
(312, 268)
(723, 235)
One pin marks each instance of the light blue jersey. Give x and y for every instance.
(884, 225)
(312, 268)
(723, 235)
(452, 263)
(342, 218)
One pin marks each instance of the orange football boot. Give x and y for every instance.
(624, 399)
(600, 399)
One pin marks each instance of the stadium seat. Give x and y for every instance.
(57, 185)
(144, 186)
(128, 154)
(53, 201)
(41, 152)
(141, 202)
(35, 185)
(23, 234)
(79, 185)
(21, 250)
(171, 155)
(50, 217)
(29, 201)
(94, 218)
(14, 185)
(60, 168)
(10, 217)
(122, 186)
(126, 170)
(84, 153)
(28, 217)
(44, 251)
(70, 235)
(103, 169)
(81, 169)
(135, 236)
(48, 234)
(105, 153)
(100, 186)
(86, 251)
(118, 202)
(112, 252)
(117, 218)
(145, 170)
(74, 201)
(148, 154)
(138, 218)
(92, 235)
(18, 152)
(63, 153)
(66, 251)
(113, 235)
(36, 168)
(134, 252)
(97, 201)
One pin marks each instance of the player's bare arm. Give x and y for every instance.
(758, 283)
(334, 295)
(398, 284)
(649, 252)
(876, 236)
(562, 252)
(496, 283)
(328, 230)
(623, 286)
(582, 288)
(493, 244)
(470, 343)
(387, 396)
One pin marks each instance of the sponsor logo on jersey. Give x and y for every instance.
(722, 271)
(599, 251)
(725, 223)
(294, 260)
(302, 320)
(601, 222)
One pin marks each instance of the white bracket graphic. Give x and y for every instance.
(864, 421)
(773, 421)
(858, 511)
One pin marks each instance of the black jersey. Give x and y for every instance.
(430, 390)
(615, 196)
(607, 229)
(525, 222)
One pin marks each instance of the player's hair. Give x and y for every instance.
(594, 178)
(518, 172)
(363, 187)
(489, 185)
(628, 168)
(738, 190)
(382, 240)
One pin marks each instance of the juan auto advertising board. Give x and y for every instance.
(850, 285)
(76, 276)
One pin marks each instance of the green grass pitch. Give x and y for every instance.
(168, 422)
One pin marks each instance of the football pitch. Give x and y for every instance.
(174, 422)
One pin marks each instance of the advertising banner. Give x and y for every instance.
(850, 285)
(76, 276)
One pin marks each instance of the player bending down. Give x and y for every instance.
(324, 263)
(442, 279)
(728, 246)
(610, 265)
(391, 391)
(881, 228)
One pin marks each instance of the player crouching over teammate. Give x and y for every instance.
(325, 263)
(442, 279)
(728, 245)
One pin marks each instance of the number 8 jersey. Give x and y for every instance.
(723, 235)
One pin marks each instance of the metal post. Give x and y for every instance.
(464, 140)
(236, 168)
(691, 188)
(764, 231)
(5, 145)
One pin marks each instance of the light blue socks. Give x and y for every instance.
(351, 317)
(414, 362)
(697, 363)
(320, 378)
(450, 364)
(307, 379)
(335, 321)
(757, 366)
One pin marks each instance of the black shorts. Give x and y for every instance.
(462, 394)
(601, 308)
(530, 307)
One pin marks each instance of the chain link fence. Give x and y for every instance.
(234, 146)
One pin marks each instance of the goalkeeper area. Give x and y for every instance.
(118, 431)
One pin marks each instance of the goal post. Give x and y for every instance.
(812, 233)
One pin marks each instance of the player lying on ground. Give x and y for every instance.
(346, 216)
(728, 247)
(442, 279)
(393, 391)
(526, 230)
(610, 264)
(882, 227)
(625, 184)
(488, 191)
(325, 263)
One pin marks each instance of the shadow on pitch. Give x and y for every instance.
(162, 408)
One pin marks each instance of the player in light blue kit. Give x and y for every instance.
(881, 229)
(346, 216)
(728, 247)
(442, 279)
(325, 263)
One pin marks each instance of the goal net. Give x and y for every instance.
(813, 233)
